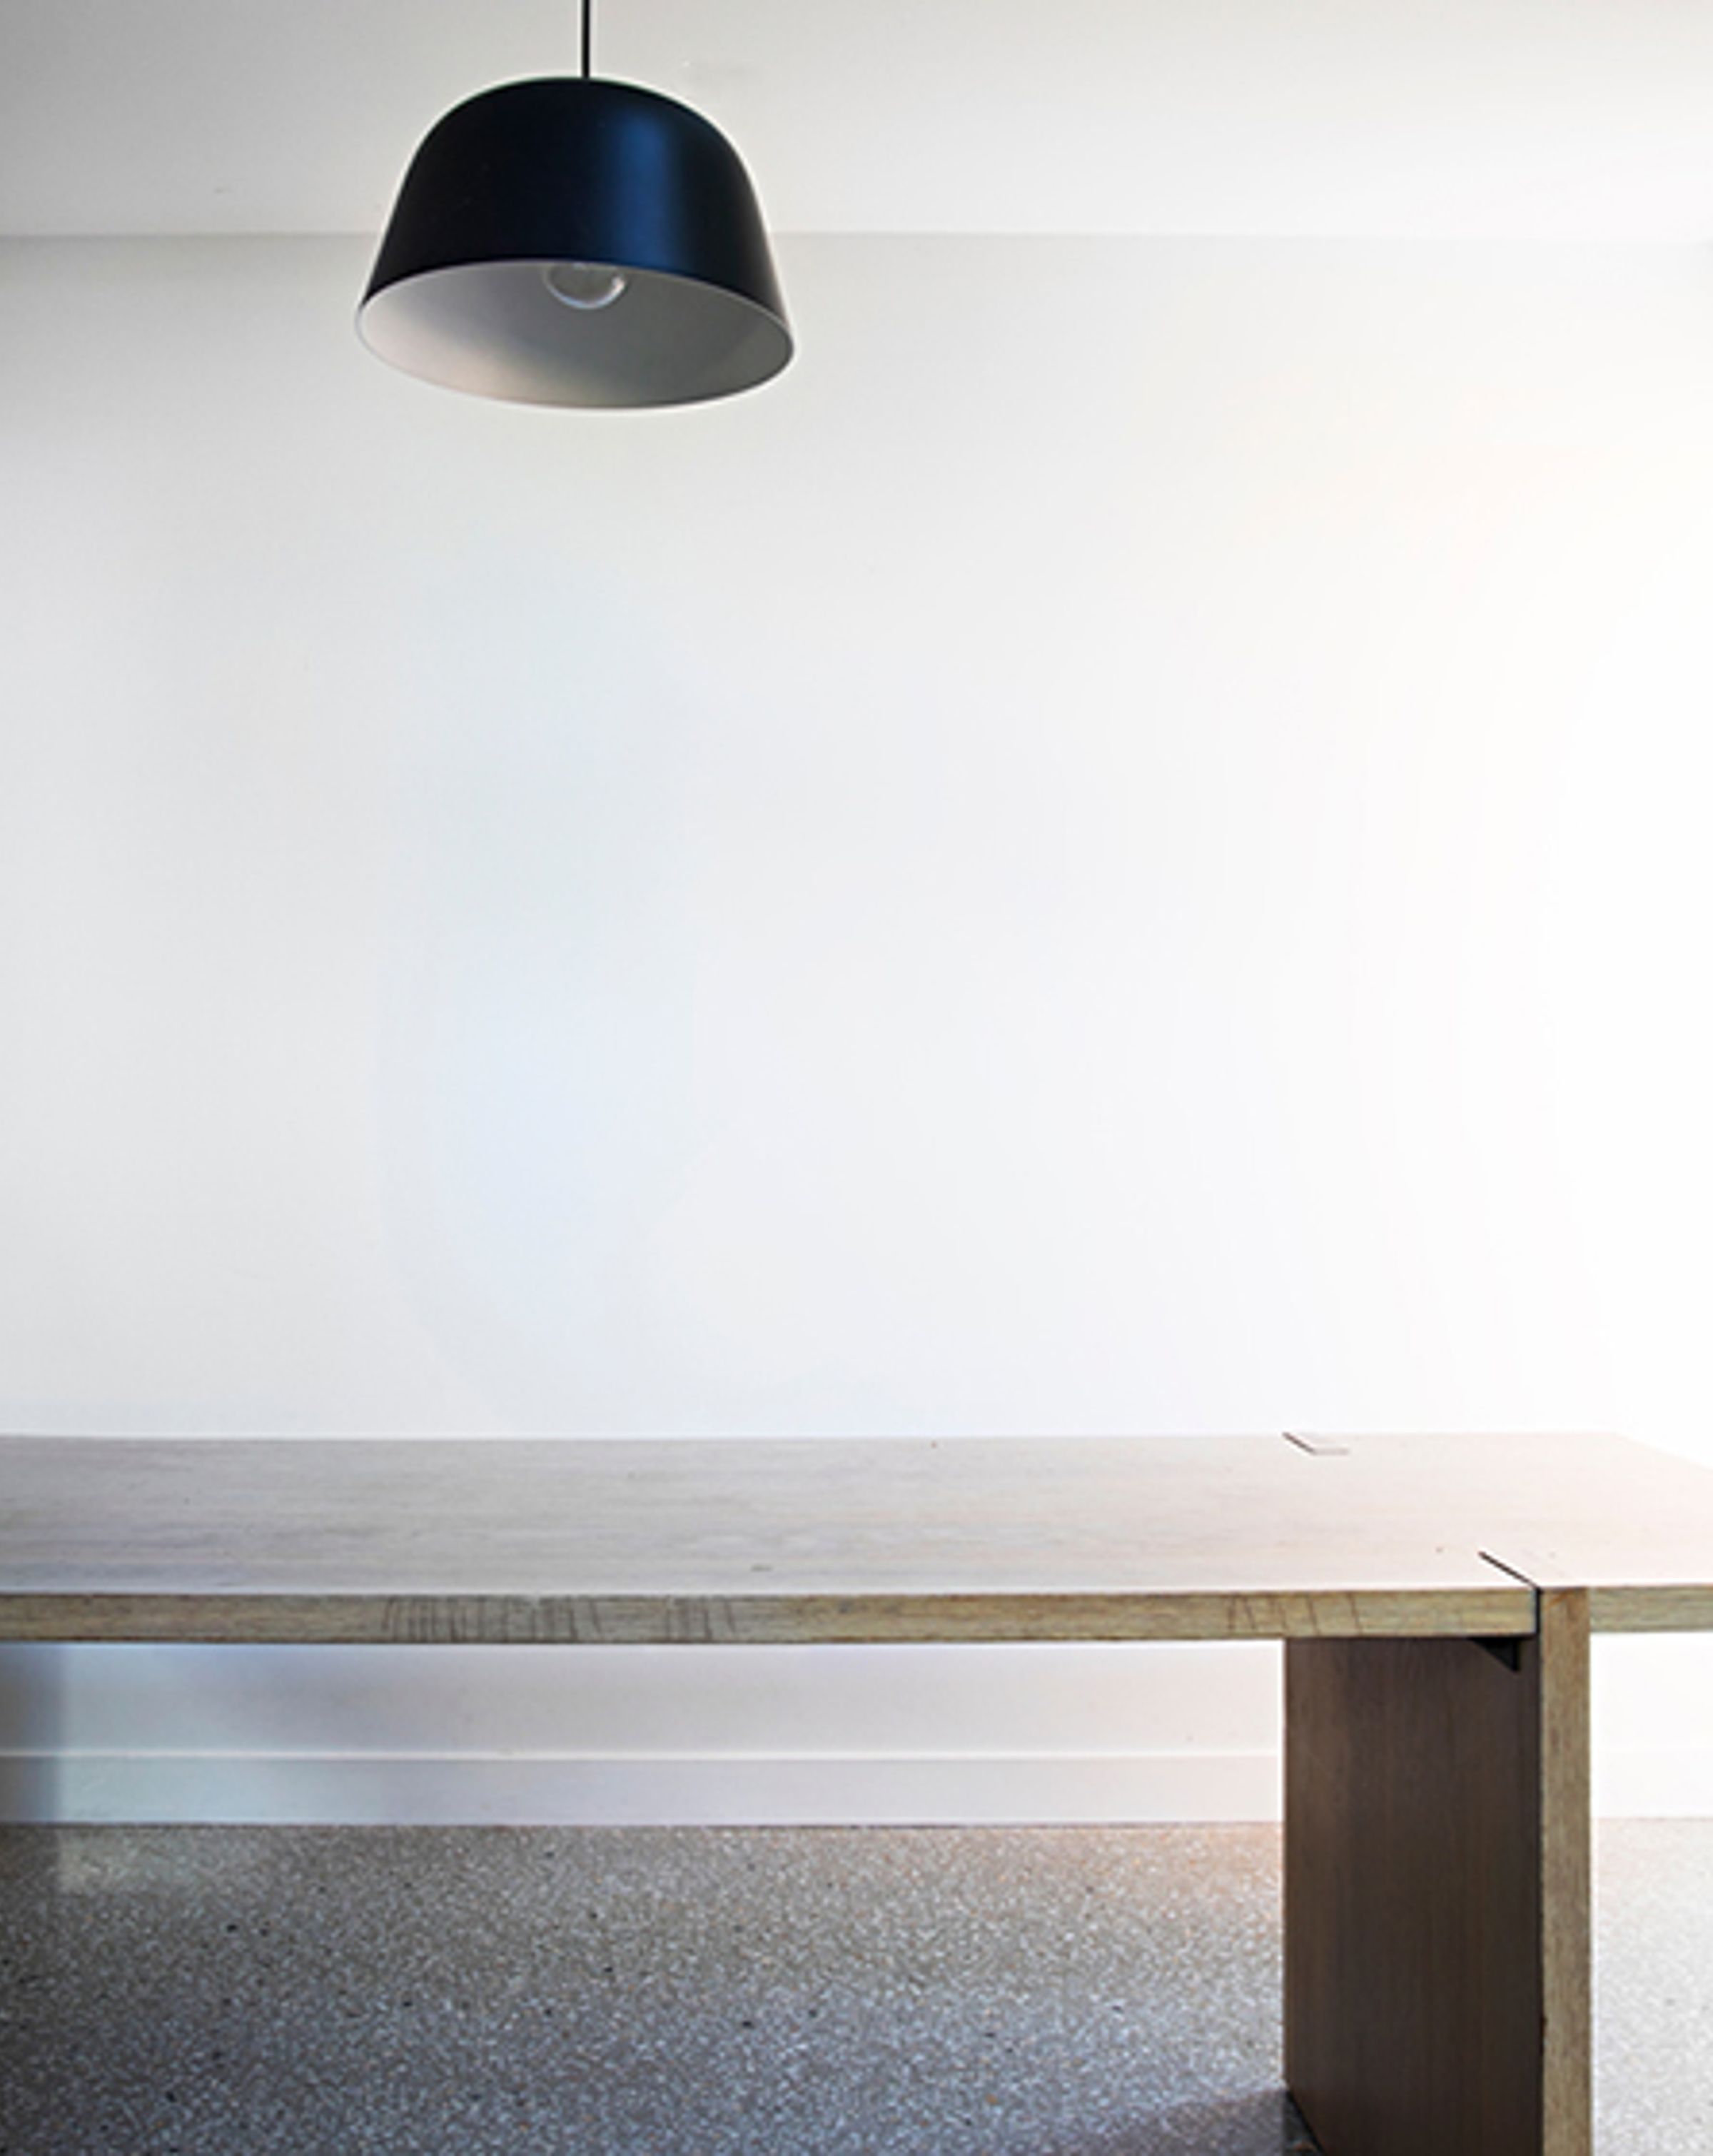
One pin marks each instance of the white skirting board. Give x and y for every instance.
(762, 1736)
(422, 1788)
(436, 1789)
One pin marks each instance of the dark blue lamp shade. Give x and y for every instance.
(575, 241)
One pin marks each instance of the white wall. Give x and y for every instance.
(1125, 849)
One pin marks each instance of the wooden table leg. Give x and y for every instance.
(1437, 1948)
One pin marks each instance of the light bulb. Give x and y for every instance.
(584, 286)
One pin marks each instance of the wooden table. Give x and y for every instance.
(1435, 1595)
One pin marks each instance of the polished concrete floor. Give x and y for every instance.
(603, 1992)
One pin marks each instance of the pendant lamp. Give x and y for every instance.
(579, 242)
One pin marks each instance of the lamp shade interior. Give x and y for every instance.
(570, 241)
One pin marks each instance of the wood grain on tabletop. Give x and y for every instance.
(687, 1540)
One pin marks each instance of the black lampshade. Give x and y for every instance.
(575, 241)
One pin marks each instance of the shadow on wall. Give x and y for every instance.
(32, 1716)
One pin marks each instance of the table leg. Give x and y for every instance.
(1437, 1947)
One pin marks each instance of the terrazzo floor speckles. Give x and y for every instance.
(708, 1992)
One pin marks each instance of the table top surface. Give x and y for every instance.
(775, 1540)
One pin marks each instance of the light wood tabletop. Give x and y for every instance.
(775, 1540)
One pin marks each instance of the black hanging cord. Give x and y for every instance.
(588, 9)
